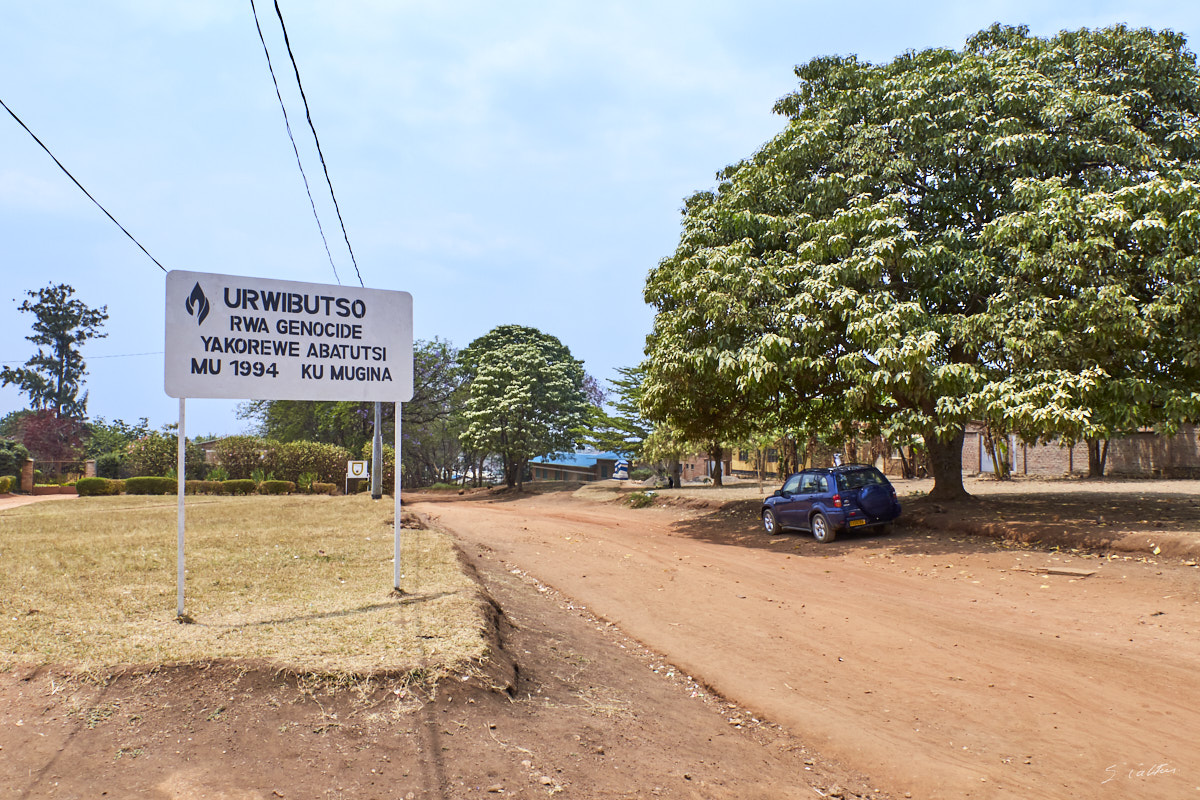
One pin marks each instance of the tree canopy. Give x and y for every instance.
(53, 378)
(525, 397)
(1006, 233)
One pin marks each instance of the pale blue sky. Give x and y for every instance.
(522, 162)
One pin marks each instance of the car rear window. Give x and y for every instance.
(860, 478)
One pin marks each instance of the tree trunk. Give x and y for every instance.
(905, 470)
(717, 453)
(945, 458)
(1097, 456)
(510, 477)
(676, 470)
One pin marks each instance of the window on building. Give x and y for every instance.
(743, 455)
(772, 455)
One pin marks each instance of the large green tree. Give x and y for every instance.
(951, 236)
(53, 378)
(525, 397)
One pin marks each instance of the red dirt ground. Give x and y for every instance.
(680, 652)
(941, 665)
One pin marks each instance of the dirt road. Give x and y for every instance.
(940, 666)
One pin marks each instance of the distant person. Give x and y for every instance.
(670, 481)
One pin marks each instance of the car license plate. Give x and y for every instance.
(854, 522)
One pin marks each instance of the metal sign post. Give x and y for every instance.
(236, 337)
(396, 526)
(180, 473)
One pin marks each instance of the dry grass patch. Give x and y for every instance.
(301, 581)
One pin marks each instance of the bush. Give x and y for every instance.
(204, 487)
(218, 474)
(640, 474)
(324, 488)
(276, 487)
(158, 454)
(6, 484)
(241, 455)
(109, 465)
(95, 487)
(149, 485)
(641, 499)
(290, 460)
(239, 486)
(13, 456)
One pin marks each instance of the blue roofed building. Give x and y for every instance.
(580, 467)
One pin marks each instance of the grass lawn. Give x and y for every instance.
(301, 581)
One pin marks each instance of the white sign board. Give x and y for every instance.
(357, 469)
(249, 338)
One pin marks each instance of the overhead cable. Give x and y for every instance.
(80, 185)
(287, 124)
(308, 113)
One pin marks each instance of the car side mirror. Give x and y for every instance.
(778, 493)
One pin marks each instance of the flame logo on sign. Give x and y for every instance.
(197, 304)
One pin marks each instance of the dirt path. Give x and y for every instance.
(8, 501)
(939, 666)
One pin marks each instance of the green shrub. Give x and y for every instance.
(218, 474)
(6, 484)
(290, 460)
(109, 465)
(95, 487)
(241, 455)
(151, 485)
(324, 488)
(240, 486)
(305, 482)
(640, 474)
(204, 487)
(276, 487)
(641, 499)
(13, 456)
(158, 455)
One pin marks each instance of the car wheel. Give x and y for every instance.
(770, 524)
(821, 529)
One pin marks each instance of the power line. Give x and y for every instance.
(80, 185)
(90, 358)
(308, 113)
(287, 124)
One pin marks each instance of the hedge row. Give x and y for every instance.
(240, 456)
(98, 487)
(6, 483)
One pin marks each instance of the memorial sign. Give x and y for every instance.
(236, 337)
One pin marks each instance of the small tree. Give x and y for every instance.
(54, 377)
(526, 397)
(52, 438)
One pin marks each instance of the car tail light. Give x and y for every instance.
(837, 501)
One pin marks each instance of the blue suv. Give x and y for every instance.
(830, 501)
